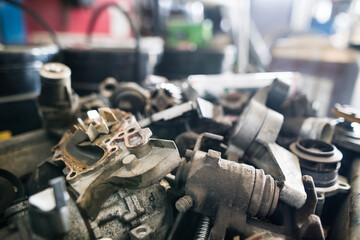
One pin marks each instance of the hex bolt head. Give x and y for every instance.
(130, 161)
(184, 203)
(213, 155)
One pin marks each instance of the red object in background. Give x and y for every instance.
(71, 19)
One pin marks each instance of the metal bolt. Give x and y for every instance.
(213, 155)
(183, 204)
(130, 161)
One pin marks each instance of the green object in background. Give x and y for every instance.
(181, 32)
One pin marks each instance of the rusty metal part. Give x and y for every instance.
(208, 180)
(109, 150)
(254, 138)
(164, 96)
(57, 101)
(349, 113)
(321, 161)
(128, 210)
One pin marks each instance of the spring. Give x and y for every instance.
(203, 229)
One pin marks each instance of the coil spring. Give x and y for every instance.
(203, 229)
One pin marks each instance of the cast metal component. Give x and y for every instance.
(58, 104)
(164, 96)
(143, 213)
(317, 128)
(204, 110)
(310, 128)
(321, 161)
(142, 232)
(49, 212)
(130, 97)
(207, 179)
(108, 86)
(254, 136)
(109, 150)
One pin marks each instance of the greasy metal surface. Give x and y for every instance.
(21, 154)
(108, 151)
(208, 179)
(254, 137)
(130, 209)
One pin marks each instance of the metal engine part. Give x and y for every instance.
(319, 160)
(234, 102)
(347, 132)
(254, 138)
(127, 96)
(322, 161)
(109, 151)
(203, 109)
(312, 128)
(274, 95)
(164, 96)
(238, 197)
(49, 211)
(57, 101)
(113, 169)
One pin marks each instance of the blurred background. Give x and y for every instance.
(316, 40)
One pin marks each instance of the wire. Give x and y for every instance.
(92, 23)
(37, 18)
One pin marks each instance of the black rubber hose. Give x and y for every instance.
(95, 16)
(37, 18)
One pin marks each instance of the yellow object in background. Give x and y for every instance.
(5, 135)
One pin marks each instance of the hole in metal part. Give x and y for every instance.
(131, 130)
(141, 230)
